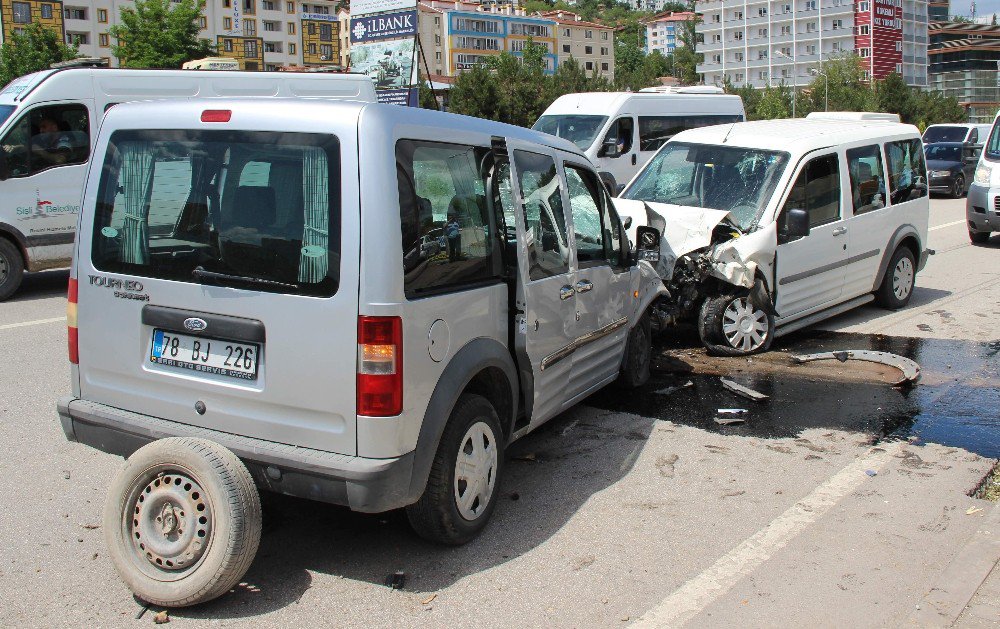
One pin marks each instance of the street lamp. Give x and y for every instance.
(826, 86)
(794, 81)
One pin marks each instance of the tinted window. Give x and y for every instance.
(444, 217)
(907, 170)
(867, 181)
(817, 191)
(944, 152)
(580, 130)
(546, 237)
(654, 131)
(175, 205)
(5, 112)
(944, 133)
(47, 137)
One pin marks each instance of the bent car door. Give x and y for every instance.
(810, 270)
(545, 325)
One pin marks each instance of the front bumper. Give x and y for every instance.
(368, 485)
(942, 184)
(982, 209)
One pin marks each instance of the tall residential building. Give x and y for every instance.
(592, 45)
(663, 31)
(764, 42)
(651, 6)
(261, 34)
(939, 11)
(964, 63)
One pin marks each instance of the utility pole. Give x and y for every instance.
(795, 84)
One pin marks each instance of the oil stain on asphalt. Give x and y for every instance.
(955, 403)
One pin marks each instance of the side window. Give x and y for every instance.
(614, 241)
(817, 191)
(867, 182)
(654, 131)
(622, 132)
(444, 220)
(46, 137)
(545, 224)
(585, 203)
(907, 170)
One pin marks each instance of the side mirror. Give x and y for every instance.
(647, 243)
(627, 222)
(796, 225)
(609, 148)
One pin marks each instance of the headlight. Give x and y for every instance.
(939, 173)
(983, 174)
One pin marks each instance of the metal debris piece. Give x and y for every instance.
(910, 369)
(735, 412)
(675, 389)
(871, 472)
(729, 420)
(743, 391)
(396, 581)
(729, 416)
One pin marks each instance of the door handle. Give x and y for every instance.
(584, 286)
(633, 159)
(566, 292)
(840, 231)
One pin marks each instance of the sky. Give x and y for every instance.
(983, 7)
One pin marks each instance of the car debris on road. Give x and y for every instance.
(910, 369)
(743, 391)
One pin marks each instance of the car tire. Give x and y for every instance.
(958, 188)
(726, 324)
(900, 277)
(979, 238)
(182, 521)
(453, 510)
(638, 355)
(11, 268)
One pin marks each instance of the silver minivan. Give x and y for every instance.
(355, 303)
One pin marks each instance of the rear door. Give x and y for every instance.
(546, 324)
(211, 285)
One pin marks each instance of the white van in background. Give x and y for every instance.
(47, 124)
(965, 133)
(620, 131)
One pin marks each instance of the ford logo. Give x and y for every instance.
(195, 324)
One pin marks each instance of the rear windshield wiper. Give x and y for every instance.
(200, 273)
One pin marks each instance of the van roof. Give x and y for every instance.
(609, 101)
(138, 114)
(798, 135)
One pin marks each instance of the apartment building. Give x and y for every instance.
(939, 11)
(261, 34)
(652, 6)
(592, 45)
(663, 31)
(764, 42)
(964, 62)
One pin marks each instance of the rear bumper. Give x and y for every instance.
(368, 485)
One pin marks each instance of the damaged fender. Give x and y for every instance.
(647, 287)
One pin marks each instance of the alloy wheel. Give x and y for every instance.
(744, 325)
(902, 278)
(475, 470)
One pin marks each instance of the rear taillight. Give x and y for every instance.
(216, 115)
(380, 366)
(73, 333)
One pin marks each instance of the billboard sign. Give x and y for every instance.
(383, 46)
(383, 26)
(365, 7)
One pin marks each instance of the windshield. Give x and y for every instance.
(738, 180)
(245, 209)
(945, 134)
(943, 152)
(580, 130)
(5, 112)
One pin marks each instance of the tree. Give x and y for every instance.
(686, 56)
(774, 102)
(848, 88)
(475, 94)
(34, 49)
(160, 34)
(893, 95)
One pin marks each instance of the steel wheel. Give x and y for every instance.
(902, 278)
(744, 326)
(169, 523)
(475, 471)
(4, 269)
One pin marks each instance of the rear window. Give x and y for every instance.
(254, 210)
(943, 133)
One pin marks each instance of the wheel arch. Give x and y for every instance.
(904, 236)
(14, 235)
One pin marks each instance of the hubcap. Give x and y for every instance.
(743, 325)
(902, 278)
(169, 522)
(475, 471)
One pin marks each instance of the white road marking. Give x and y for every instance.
(24, 324)
(951, 224)
(694, 596)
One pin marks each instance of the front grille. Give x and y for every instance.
(981, 210)
(996, 204)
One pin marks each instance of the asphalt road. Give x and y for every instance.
(607, 517)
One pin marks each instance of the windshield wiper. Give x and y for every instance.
(200, 273)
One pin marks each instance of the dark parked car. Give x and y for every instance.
(950, 167)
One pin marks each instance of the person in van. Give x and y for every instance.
(51, 144)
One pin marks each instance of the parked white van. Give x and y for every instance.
(771, 226)
(361, 304)
(47, 124)
(620, 131)
(982, 207)
(965, 133)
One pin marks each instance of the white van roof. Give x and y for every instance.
(797, 135)
(606, 102)
(853, 115)
(129, 84)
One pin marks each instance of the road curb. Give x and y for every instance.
(956, 586)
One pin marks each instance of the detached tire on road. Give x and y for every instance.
(11, 268)
(897, 285)
(465, 476)
(732, 325)
(182, 521)
(638, 355)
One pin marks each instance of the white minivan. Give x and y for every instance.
(48, 121)
(620, 131)
(773, 225)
